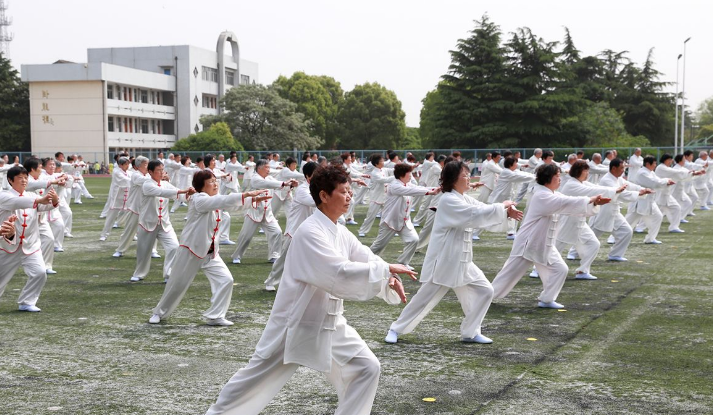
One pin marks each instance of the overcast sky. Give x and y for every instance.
(402, 45)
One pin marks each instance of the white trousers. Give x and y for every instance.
(673, 214)
(47, 244)
(127, 237)
(552, 276)
(424, 237)
(709, 201)
(523, 191)
(252, 388)
(144, 246)
(693, 195)
(34, 268)
(622, 233)
(703, 196)
(67, 217)
(277, 205)
(587, 247)
(408, 236)
(360, 194)
(183, 270)
(272, 231)
(686, 205)
(57, 227)
(484, 194)
(224, 227)
(350, 212)
(474, 299)
(652, 222)
(79, 191)
(111, 217)
(374, 209)
(106, 208)
(422, 209)
(177, 202)
(279, 266)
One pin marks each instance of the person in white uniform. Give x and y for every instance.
(645, 208)
(509, 181)
(112, 187)
(134, 202)
(199, 250)
(597, 169)
(535, 242)
(301, 208)
(489, 176)
(283, 197)
(449, 259)
(325, 264)
(636, 162)
(260, 214)
(40, 183)
(56, 217)
(396, 215)
(532, 164)
(154, 221)
(380, 177)
(700, 183)
(121, 181)
(23, 249)
(679, 191)
(665, 198)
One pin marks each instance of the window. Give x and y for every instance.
(166, 70)
(110, 92)
(230, 77)
(144, 126)
(153, 126)
(110, 124)
(244, 79)
(136, 95)
(210, 101)
(144, 96)
(210, 74)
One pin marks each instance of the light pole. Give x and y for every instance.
(683, 93)
(675, 125)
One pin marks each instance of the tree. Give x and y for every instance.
(602, 126)
(318, 98)
(14, 109)
(216, 137)
(371, 118)
(413, 139)
(704, 114)
(262, 120)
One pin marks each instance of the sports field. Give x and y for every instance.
(637, 341)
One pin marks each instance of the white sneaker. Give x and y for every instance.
(352, 222)
(102, 217)
(272, 260)
(477, 339)
(584, 276)
(135, 279)
(410, 268)
(77, 202)
(155, 319)
(136, 238)
(30, 308)
(59, 249)
(236, 260)
(510, 237)
(476, 237)
(155, 255)
(227, 242)
(552, 304)
(220, 321)
(68, 235)
(534, 274)
(184, 204)
(115, 225)
(392, 337)
(102, 238)
(610, 240)
(270, 288)
(361, 235)
(378, 215)
(260, 231)
(118, 254)
(416, 224)
(50, 271)
(572, 257)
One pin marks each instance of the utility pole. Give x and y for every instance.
(5, 36)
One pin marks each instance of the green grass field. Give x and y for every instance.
(636, 341)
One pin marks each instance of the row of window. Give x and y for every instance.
(124, 93)
(211, 75)
(134, 125)
(210, 101)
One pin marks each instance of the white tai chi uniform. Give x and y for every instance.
(635, 164)
(257, 214)
(377, 196)
(183, 179)
(610, 220)
(133, 205)
(283, 196)
(574, 231)
(110, 197)
(24, 248)
(428, 171)
(354, 173)
(507, 184)
(155, 223)
(488, 176)
(396, 218)
(199, 251)
(664, 198)
(325, 264)
(681, 189)
(301, 208)
(596, 171)
(700, 183)
(40, 186)
(247, 177)
(645, 208)
(532, 164)
(535, 243)
(120, 181)
(60, 219)
(449, 264)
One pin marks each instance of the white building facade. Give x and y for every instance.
(138, 99)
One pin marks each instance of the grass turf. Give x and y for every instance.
(638, 340)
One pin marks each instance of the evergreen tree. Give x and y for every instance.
(14, 109)
(371, 118)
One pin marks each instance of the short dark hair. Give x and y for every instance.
(153, 164)
(580, 153)
(375, 158)
(326, 179)
(345, 156)
(451, 173)
(309, 168)
(577, 168)
(606, 153)
(207, 159)
(507, 153)
(665, 157)
(429, 155)
(509, 161)
(199, 159)
(31, 163)
(649, 160)
(46, 161)
(441, 157)
(401, 169)
(392, 155)
(495, 154)
(615, 163)
(306, 155)
(16, 171)
(289, 161)
(678, 158)
(57, 154)
(199, 179)
(455, 154)
(546, 172)
(547, 154)
(687, 153)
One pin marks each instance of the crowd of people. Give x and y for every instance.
(318, 262)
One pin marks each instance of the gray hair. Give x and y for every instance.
(122, 161)
(138, 161)
(538, 150)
